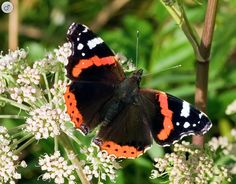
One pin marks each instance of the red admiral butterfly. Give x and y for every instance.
(129, 117)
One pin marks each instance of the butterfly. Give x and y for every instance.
(128, 116)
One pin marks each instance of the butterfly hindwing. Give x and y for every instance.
(128, 135)
(172, 118)
(83, 101)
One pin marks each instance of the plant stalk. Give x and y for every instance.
(203, 64)
(64, 140)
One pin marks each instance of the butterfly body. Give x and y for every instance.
(130, 117)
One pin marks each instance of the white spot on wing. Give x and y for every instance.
(80, 46)
(85, 29)
(186, 124)
(177, 123)
(194, 125)
(94, 42)
(83, 54)
(200, 115)
(69, 30)
(185, 109)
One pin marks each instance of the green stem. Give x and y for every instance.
(181, 19)
(21, 140)
(75, 139)
(64, 140)
(47, 87)
(12, 117)
(17, 128)
(56, 144)
(13, 103)
(30, 141)
(189, 31)
(56, 78)
(17, 134)
(173, 12)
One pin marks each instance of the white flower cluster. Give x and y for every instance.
(8, 160)
(46, 122)
(188, 164)
(29, 76)
(99, 164)
(63, 53)
(233, 133)
(221, 143)
(57, 168)
(51, 61)
(46, 64)
(231, 109)
(57, 92)
(127, 65)
(10, 60)
(23, 94)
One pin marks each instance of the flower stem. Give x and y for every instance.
(203, 63)
(30, 141)
(17, 128)
(181, 19)
(13, 103)
(64, 140)
(56, 77)
(47, 87)
(21, 140)
(55, 144)
(12, 117)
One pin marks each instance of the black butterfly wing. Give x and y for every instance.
(128, 135)
(170, 118)
(94, 72)
(91, 59)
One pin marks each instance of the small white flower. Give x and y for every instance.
(29, 76)
(10, 61)
(45, 122)
(8, 160)
(63, 53)
(99, 164)
(57, 92)
(231, 109)
(56, 168)
(23, 94)
(127, 65)
(233, 133)
(220, 143)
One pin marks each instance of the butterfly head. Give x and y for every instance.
(137, 75)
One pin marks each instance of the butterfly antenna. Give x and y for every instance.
(170, 68)
(137, 48)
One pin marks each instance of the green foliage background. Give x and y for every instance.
(43, 26)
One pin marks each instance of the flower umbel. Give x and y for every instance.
(99, 164)
(8, 160)
(46, 122)
(57, 168)
(189, 164)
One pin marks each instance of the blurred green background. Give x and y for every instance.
(43, 25)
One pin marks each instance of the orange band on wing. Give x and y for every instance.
(72, 110)
(95, 60)
(120, 151)
(167, 113)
